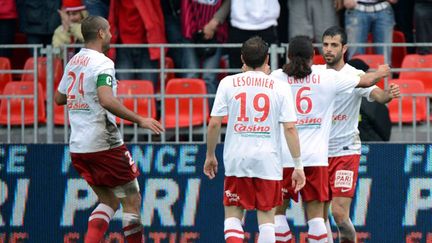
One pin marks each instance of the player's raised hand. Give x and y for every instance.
(394, 91)
(151, 124)
(298, 180)
(211, 167)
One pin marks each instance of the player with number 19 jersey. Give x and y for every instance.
(93, 128)
(314, 98)
(256, 104)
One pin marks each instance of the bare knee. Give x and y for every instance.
(131, 203)
(340, 211)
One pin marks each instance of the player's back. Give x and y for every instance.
(314, 98)
(255, 104)
(92, 127)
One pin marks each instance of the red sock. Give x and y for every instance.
(132, 228)
(98, 223)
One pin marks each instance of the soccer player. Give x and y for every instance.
(88, 88)
(314, 90)
(256, 105)
(344, 144)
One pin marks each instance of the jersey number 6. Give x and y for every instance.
(305, 100)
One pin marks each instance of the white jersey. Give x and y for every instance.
(256, 104)
(93, 128)
(314, 98)
(344, 134)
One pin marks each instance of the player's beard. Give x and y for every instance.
(106, 47)
(334, 60)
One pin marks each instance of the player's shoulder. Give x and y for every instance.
(348, 69)
(279, 75)
(319, 66)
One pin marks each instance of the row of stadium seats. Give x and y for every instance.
(5, 64)
(192, 110)
(409, 61)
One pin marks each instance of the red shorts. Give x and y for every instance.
(316, 187)
(343, 173)
(110, 168)
(252, 193)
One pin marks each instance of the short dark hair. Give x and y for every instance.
(334, 31)
(300, 53)
(90, 27)
(254, 52)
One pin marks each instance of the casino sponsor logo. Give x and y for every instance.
(309, 122)
(241, 128)
(77, 105)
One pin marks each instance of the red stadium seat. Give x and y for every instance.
(398, 53)
(59, 114)
(373, 60)
(186, 87)
(5, 78)
(318, 59)
(146, 107)
(21, 88)
(408, 86)
(418, 61)
(42, 71)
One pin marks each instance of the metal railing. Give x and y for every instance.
(50, 133)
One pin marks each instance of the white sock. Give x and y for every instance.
(282, 229)
(317, 232)
(233, 228)
(329, 231)
(267, 233)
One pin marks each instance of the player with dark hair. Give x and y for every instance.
(88, 88)
(315, 91)
(344, 144)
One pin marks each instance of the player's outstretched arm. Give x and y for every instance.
(385, 96)
(108, 101)
(211, 163)
(372, 78)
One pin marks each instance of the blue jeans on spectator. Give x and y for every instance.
(136, 58)
(358, 24)
(181, 56)
(97, 7)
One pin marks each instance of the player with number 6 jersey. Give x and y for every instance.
(314, 91)
(256, 105)
(88, 89)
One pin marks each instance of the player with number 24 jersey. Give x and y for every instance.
(93, 127)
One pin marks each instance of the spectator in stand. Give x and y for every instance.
(312, 17)
(251, 18)
(8, 16)
(364, 16)
(180, 56)
(97, 7)
(69, 32)
(204, 22)
(37, 20)
(423, 24)
(137, 22)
